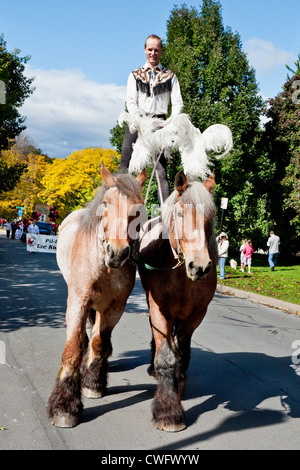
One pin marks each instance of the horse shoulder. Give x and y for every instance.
(66, 238)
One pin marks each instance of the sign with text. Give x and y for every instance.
(224, 203)
(41, 243)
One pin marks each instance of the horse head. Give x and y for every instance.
(191, 225)
(120, 210)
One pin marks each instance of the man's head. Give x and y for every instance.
(153, 49)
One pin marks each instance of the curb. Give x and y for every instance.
(268, 301)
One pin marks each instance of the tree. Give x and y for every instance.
(282, 137)
(17, 87)
(69, 183)
(219, 86)
(23, 192)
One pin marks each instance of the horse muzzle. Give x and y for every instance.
(196, 272)
(116, 258)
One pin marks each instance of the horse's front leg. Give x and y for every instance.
(94, 368)
(64, 404)
(167, 410)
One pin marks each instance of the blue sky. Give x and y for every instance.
(83, 50)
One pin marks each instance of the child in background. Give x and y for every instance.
(243, 258)
(248, 251)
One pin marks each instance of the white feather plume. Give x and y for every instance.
(156, 135)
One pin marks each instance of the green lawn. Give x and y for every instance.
(283, 283)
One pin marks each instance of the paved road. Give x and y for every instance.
(242, 389)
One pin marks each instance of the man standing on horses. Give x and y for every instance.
(150, 89)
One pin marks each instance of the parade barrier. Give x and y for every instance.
(41, 243)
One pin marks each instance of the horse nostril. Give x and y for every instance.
(109, 251)
(208, 268)
(125, 253)
(193, 267)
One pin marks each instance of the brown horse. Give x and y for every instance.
(177, 267)
(94, 254)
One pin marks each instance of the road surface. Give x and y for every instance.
(242, 384)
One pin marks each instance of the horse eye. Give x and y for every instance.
(105, 204)
(180, 214)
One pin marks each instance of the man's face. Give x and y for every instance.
(153, 51)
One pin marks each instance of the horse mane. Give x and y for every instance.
(195, 194)
(126, 185)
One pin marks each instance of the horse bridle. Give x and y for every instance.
(178, 253)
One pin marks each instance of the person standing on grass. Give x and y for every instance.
(248, 252)
(223, 245)
(273, 244)
(243, 259)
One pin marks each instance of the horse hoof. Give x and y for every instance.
(88, 393)
(65, 420)
(170, 427)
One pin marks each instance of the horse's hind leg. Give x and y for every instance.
(64, 404)
(94, 368)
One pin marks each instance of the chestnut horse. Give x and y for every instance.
(94, 255)
(177, 266)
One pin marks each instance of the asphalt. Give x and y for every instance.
(243, 378)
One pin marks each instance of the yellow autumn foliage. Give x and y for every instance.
(25, 193)
(71, 182)
(67, 183)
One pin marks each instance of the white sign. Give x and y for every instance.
(42, 218)
(41, 243)
(224, 202)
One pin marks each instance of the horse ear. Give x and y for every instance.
(141, 178)
(210, 183)
(181, 182)
(108, 178)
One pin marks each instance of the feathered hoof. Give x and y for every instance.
(64, 420)
(170, 427)
(92, 394)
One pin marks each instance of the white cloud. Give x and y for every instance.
(68, 112)
(265, 57)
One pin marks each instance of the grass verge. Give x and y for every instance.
(283, 283)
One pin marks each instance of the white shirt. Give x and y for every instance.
(273, 244)
(150, 90)
(33, 229)
(223, 249)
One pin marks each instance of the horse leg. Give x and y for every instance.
(94, 368)
(64, 404)
(181, 337)
(181, 341)
(167, 411)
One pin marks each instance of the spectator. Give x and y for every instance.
(273, 244)
(248, 252)
(243, 259)
(7, 226)
(223, 245)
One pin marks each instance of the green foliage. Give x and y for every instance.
(219, 86)
(10, 175)
(260, 176)
(282, 139)
(17, 88)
